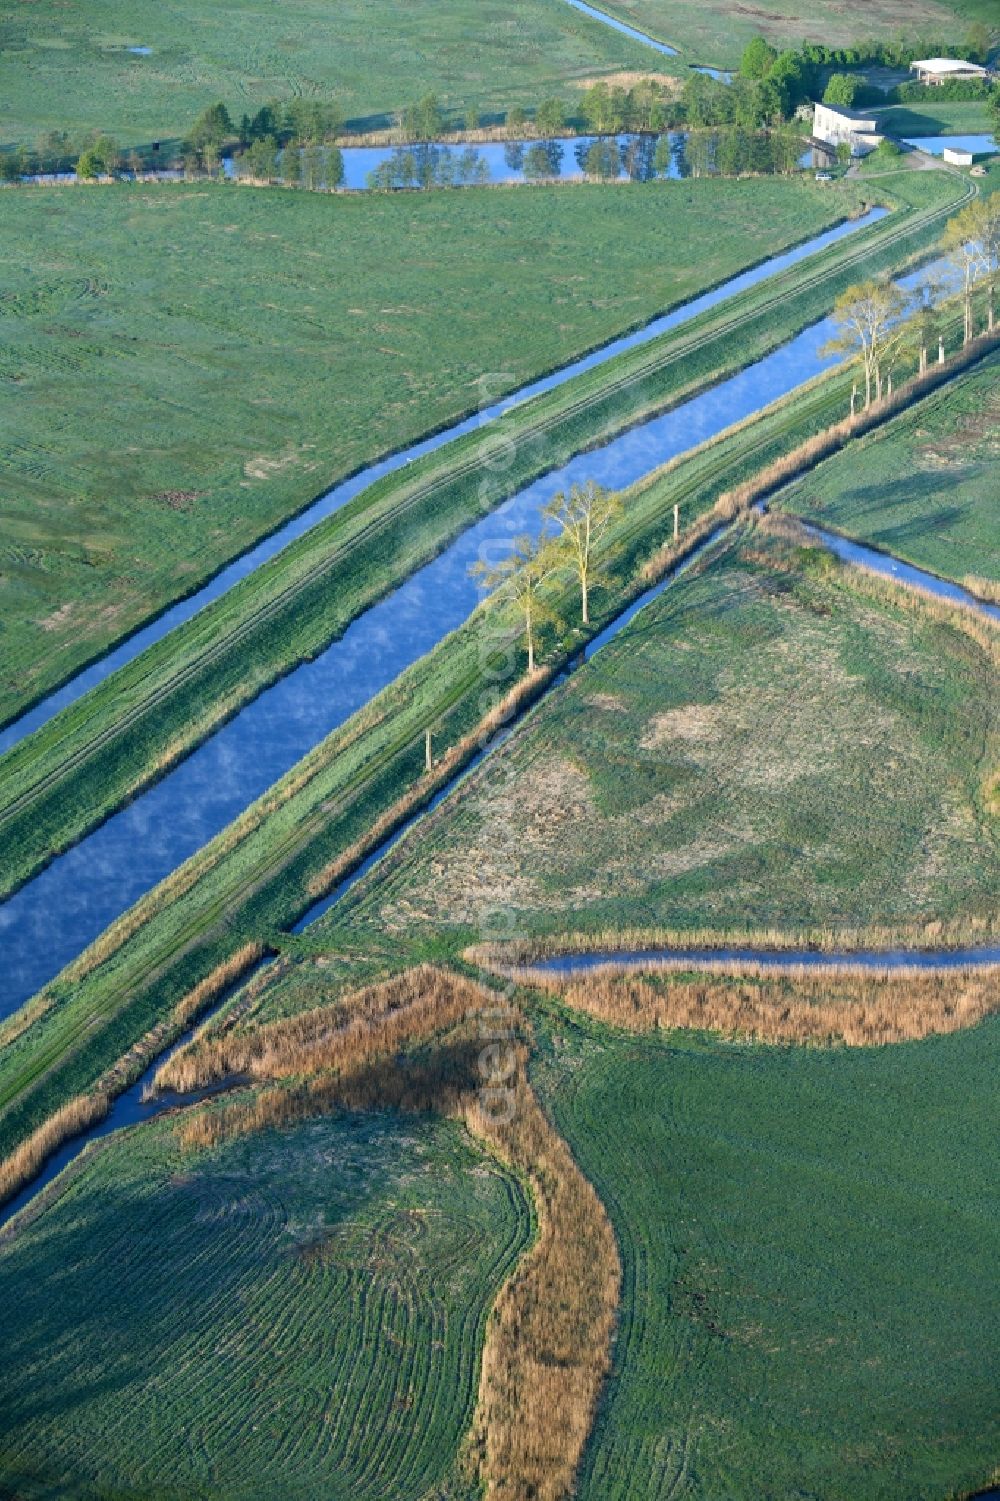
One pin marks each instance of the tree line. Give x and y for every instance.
(876, 322)
(768, 89)
(572, 543)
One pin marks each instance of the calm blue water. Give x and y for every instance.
(644, 959)
(515, 161)
(979, 145)
(333, 500)
(721, 75)
(900, 572)
(606, 20)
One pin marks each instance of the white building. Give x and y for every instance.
(944, 69)
(833, 124)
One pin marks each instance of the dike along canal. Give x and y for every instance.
(97, 879)
(138, 1104)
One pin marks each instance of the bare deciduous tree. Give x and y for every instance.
(965, 251)
(584, 518)
(869, 318)
(520, 576)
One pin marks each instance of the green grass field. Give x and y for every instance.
(68, 70)
(766, 745)
(933, 118)
(924, 488)
(166, 408)
(299, 1314)
(808, 1238)
(80, 766)
(716, 31)
(254, 880)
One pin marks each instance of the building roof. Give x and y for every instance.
(854, 116)
(946, 65)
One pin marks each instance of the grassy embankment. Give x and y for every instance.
(61, 71)
(69, 775)
(925, 489)
(254, 879)
(807, 1238)
(157, 422)
(716, 31)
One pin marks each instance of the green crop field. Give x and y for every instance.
(808, 1240)
(925, 488)
(69, 70)
(716, 31)
(165, 408)
(767, 744)
(300, 1314)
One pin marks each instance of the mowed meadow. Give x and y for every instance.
(299, 1313)
(716, 31)
(70, 69)
(776, 741)
(166, 404)
(925, 489)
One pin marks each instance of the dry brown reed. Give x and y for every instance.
(21, 1020)
(547, 1348)
(369, 1023)
(985, 589)
(85, 1110)
(933, 934)
(224, 974)
(861, 1008)
(69, 1120)
(671, 554)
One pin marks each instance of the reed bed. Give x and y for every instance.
(85, 1110)
(25, 1017)
(372, 1022)
(224, 975)
(932, 935)
(985, 589)
(31, 1154)
(547, 1349)
(858, 1009)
